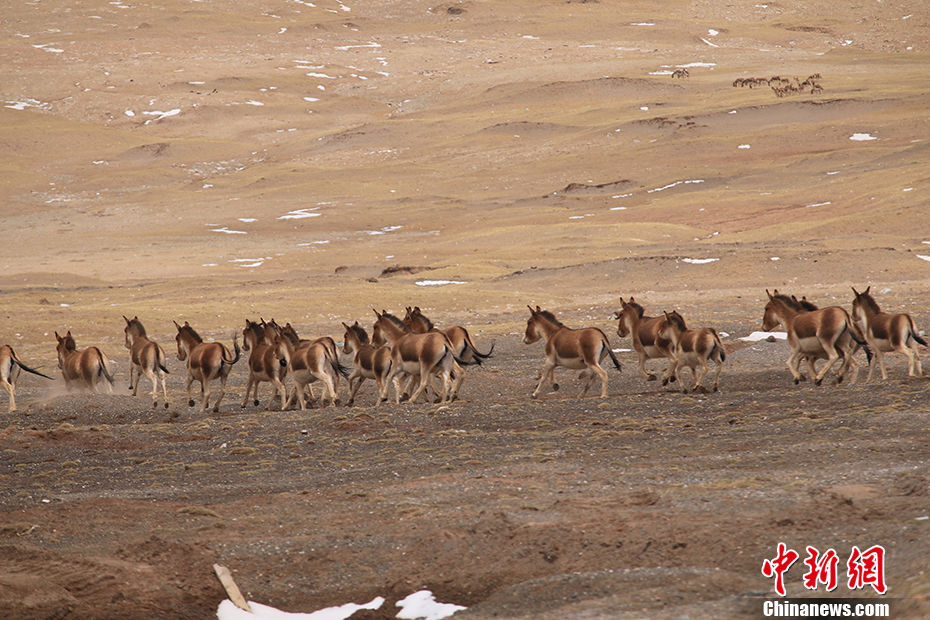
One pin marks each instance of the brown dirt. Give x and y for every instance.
(536, 152)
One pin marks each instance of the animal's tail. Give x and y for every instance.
(236, 349)
(855, 333)
(103, 366)
(160, 360)
(718, 346)
(26, 368)
(610, 352)
(913, 332)
(474, 350)
(341, 369)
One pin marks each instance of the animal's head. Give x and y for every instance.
(629, 313)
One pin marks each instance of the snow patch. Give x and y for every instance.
(757, 336)
(862, 137)
(437, 283)
(228, 611)
(699, 261)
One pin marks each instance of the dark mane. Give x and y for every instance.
(417, 315)
(190, 331)
(866, 300)
(549, 317)
(394, 320)
(789, 302)
(136, 324)
(807, 305)
(638, 309)
(359, 332)
(676, 319)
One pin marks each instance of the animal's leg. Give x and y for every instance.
(11, 390)
(133, 385)
(880, 356)
(717, 373)
(353, 389)
(164, 386)
(190, 399)
(547, 369)
(205, 391)
(913, 362)
(248, 387)
(699, 377)
(459, 374)
(329, 388)
(642, 368)
(216, 406)
(600, 372)
(794, 360)
(832, 357)
(279, 390)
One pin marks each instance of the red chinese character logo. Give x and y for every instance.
(867, 568)
(779, 565)
(821, 569)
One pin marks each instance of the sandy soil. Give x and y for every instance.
(310, 161)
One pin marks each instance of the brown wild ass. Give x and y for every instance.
(693, 348)
(265, 364)
(845, 345)
(83, 368)
(145, 357)
(419, 355)
(206, 361)
(461, 340)
(369, 362)
(9, 372)
(296, 341)
(887, 333)
(308, 363)
(577, 349)
(644, 332)
(815, 334)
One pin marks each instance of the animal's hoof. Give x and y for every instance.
(535, 395)
(650, 377)
(818, 381)
(166, 405)
(666, 382)
(555, 387)
(671, 379)
(190, 403)
(155, 405)
(797, 381)
(255, 402)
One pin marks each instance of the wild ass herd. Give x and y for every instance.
(411, 354)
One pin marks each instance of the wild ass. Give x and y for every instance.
(83, 368)
(10, 365)
(577, 349)
(206, 361)
(816, 333)
(461, 340)
(887, 333)
(145, 357)
(265, 364)
(644, 332)
(308, 363)
(693, 348)
(419, 355)
(369, 362)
